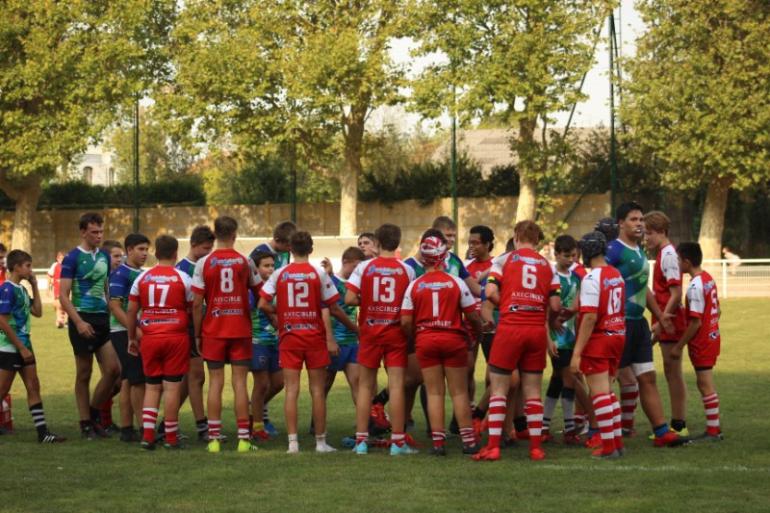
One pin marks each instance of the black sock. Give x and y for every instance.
(161, 426)
(678, 424)
(424, 404)
(127, 430)
(479, 413)
(95, 415)
(520, 423)
(85, 424)
(382, 397)
(202, 425)
(38, 418)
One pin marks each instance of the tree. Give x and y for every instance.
(697, 99)
(518, 61)
(287, 78)
(66, 68)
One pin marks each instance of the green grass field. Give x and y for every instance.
(110, 476)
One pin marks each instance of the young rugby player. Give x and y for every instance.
(368, 244)
(16, 355)
(280, 245)
(701, 336)
(54, 281)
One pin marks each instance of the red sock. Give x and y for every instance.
(215, 429)
(105, 413)
(172, 430)
(496, 419)
(533, 408)
(711, 405)
(149, 418)
(397, 438)
(362, 437)
(439, 437)
(617, 430)
(628, 396)
(243, 429)
(603, 413)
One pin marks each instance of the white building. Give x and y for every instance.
(96, 166)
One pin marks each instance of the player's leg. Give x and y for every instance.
(367, 383)
(433, 377)
(531, 382)
(599, 385)
(317, 385)
(352, 371)
(172, 399)
(500, 382)
(276, 386)
(629, 387)
(456, 377)
(412, 383)
(109, 365)
(240, 375)
(710, 399)
(677, 389)
(553, 392)
(291, 385)
(397, 404)
(214, 402)
(258, 394)
(568, 405)
(196, 377)
(152, 393)
(126, 410)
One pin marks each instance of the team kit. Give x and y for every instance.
(154, 331)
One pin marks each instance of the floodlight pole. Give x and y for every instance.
(453, 175)
(613, 142)
(293, 171)
(136, 166)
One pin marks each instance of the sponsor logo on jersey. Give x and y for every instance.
(299, 276)
(226, 299)
(528, 260)
(612, 282)
(299, 326)
(385, 271)
(217, 312)
(381, 322)
(148, 322)
(160, 278)
(225, 262)
(435, 285)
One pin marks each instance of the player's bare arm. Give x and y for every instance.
(587, 324)
(476, 326)
(267, 307)
(554, 307)
(664, 319)
(116, 309)
(487, 314)
(131, 313)
(693, 326)
(36, 308)
(492, 291)
(84, 328)
(407, 326)
(473, 285)
(25, 353)
(331, 342)
(197, 314)
(351, 298)
(339, 314)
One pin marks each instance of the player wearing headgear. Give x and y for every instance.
(600, 340)
(608, 227)
(432, 314)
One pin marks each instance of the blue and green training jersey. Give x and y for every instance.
(452, 265)
(570, 290)
(342, 334)
(281, 258)
(635, 270)
(15, 303)
(121, 280)
(187, 266)
(89, 271)
(262, 330)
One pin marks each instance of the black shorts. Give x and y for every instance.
(486, 344)
(13, 362)
(85, 346)
(563, 360)
(130, 365)
(194, 353)
(638, 348)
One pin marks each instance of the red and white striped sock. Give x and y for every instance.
(362, 436)
(617, 429)
(468, 436)
(172, 431)
(496, 419)
(439, 438)
(149, 418)
(397, 438)
(243, 429)
(603, 413)
(628, 396)
(533, 408)
(711, 405)
(215, 429)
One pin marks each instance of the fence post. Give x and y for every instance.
(724, 279)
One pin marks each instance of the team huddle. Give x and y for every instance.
(423, 319)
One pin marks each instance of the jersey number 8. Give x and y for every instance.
(614, 304)
(226, 283)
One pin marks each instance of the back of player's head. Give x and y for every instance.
(201, 235)
(283, 231)
(621, 213)
(17, 257)
(353, 254)
(433, 247)
(225, 228)
(510, 245)
(166, 247)
(564, 244)
(592, 244)
(301, 243)
(389, 236)
(528, 232)
(90, 218)
(3, 249)
(444, 223)
(657, 221)
(690, 251)
(609, 227)
(261, 255)
(485, 233)
(134, 239)
(111, 244)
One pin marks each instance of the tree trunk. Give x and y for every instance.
(527, 204)
(713, 220)
(349, 179)
(525, 208)
(26, 195)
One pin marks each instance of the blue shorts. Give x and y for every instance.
(348, 354)
(264, 358)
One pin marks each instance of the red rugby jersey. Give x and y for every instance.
(164, 296)
(437, 301)
(603, 292)
(703, 303)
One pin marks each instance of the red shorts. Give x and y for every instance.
(680, 324)
(165, 355)
(391, 351)
(519, 347)
(313, 358)
(447, 349)
(592, 365)
(226, 350)
(703, 355)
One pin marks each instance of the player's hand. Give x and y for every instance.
(552, 349)
(85, 329)
(667, 323)
(198, 345)
(333, 347)
(326, 264)
(32, 280)
(675, 352)
(139, 334)
(27, 355)
(574, 365)
(133, 347)
(566, 314)
(655, 333)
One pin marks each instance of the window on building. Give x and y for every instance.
(111, 177)
(88, 174)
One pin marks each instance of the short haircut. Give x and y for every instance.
(626, 208)
(565, 244)
(510, 245)
(485, 233)
(353, 254)
(301, 243)
(166, 247)
(17, 257)
(201, 235)
(225, 227)
(111, 244)
(528, 231)
(283, 231)
(690, 251)
(90, 218)
(261, 255)
(134, 239)
(444, 223)
(367, 235)
(434, 232)
(389, 236)
(657, 221)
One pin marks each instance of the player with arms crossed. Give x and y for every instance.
(701, 336)
(600, 340)
(164, 297)
(223, 278)
(524, 285)
(431, 314)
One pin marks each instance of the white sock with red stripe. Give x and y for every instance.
(628, 396)
(149, 418)
(711, 405)
(496, 419)
(215, 429)
(533, 408)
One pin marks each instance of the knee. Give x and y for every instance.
(83, 375)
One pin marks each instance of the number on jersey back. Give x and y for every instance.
(164, 296)
(437, 301)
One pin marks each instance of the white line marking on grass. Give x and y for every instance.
(663, 468)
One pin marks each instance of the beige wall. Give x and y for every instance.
(57, 229)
